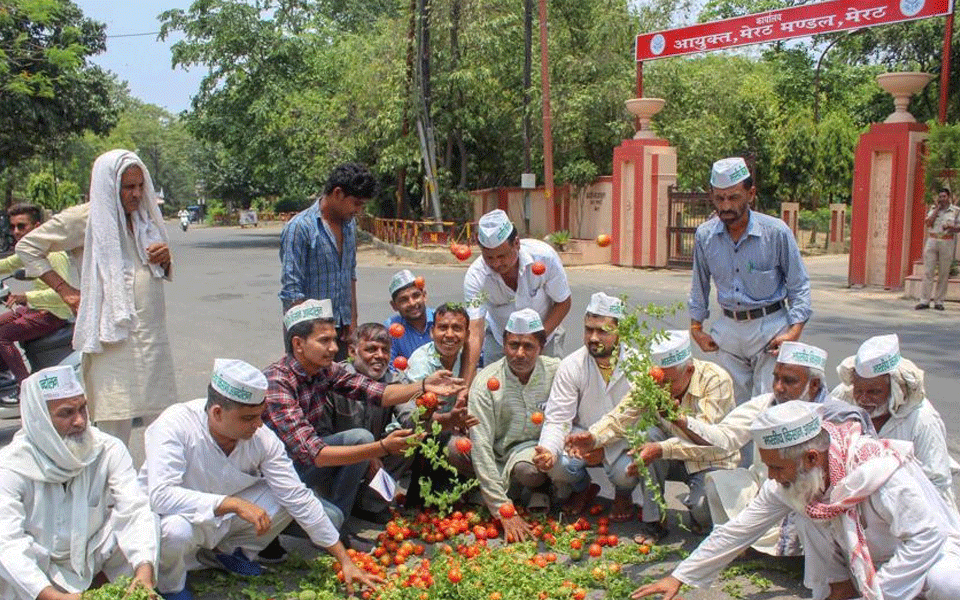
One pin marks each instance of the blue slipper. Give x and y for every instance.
(184, 594)
(239, 564)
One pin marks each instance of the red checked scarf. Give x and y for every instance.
(858, 466)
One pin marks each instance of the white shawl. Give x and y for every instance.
(107, 311)
(38, 452)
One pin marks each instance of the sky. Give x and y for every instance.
(143, 61)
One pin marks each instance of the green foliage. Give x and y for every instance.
(943, 154)
(560, 239)
(579, 173)
(117, 590)
(815, 219)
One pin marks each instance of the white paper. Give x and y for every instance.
(384, 485)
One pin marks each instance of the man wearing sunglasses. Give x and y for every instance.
(35, 313)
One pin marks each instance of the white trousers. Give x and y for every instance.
(180, 539)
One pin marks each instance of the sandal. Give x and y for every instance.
(579, 501)
(651, 533)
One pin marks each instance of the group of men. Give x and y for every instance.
(857, 479)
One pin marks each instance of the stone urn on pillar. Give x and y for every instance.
(644, 168)
(644, 109)
(902, 86)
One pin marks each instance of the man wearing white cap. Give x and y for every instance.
(508, 277)
(873, 526)
(223, 485)
(762, 286)
(504, 398)
(890, 388)
(701, 390)
(589, 384)
(70, 506)
(298, 385)
(409, 299)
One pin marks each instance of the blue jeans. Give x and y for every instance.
(338, 486)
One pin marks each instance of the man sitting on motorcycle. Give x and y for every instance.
(37, 312)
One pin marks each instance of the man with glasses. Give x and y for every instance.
(37, 312)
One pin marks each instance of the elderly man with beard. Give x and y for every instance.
(701, 390)
(224, 487)
(410, 301)
(70, 506)
(369, 352)
(798, 375)
(589, 384)
(890, 388)
(874, 527)
(504, 397)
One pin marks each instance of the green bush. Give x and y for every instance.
(815, 219)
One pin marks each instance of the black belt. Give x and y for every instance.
(756, 313)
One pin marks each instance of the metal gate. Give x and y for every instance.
(687, 210)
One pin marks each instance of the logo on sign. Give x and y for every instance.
(657, 43)
(911, 7)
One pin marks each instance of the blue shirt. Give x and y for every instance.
(312, 267)
(412, 339)
(763, 267)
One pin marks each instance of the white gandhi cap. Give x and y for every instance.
(728, 172)
(308, 310)
(57, 383)
(805, 355)
(605, 306)
(525, 320)
(672, 349)
(493, 228)
(878, 356)
(785, 425)
(401, 279)
(238, 381)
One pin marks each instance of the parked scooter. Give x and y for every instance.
(47, 351)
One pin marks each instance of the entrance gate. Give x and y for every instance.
(687, 210)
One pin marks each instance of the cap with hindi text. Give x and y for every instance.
(308, 310)
(605, 306)
(400, 280)
(878, 356)
(57, 383)
(239, 381)
(493, 228)
(728, 172)
(672, 349)
(805, 355)
(785, 425)
(525, 320)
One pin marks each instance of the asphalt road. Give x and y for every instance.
(223, 302)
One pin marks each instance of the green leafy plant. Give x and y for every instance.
(430, 448)
(117, 590)
(560, 239)
(942, 161)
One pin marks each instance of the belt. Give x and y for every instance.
(941, 236)
(756, 313)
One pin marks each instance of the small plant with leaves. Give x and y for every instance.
(118, 590)
(560, 239)
(430, 448)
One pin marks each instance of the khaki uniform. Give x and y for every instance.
(938, 252)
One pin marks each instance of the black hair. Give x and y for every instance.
(370, 332)
(215, 398)
(32, 210)
(616, 321)
(540, 335)
(301, 330)
(940, 191)
(354, 179)
(451, 308)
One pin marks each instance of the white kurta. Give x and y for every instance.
(132, 378)
(579, 398)
(35, 528)
(187, 474)
(486, 295)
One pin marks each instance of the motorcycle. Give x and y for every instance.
(46, 351)
(184, 222)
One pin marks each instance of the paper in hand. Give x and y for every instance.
(384, 485)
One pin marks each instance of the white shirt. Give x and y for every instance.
(486, 294)
(35, 513)
(579, 398)
(186, 473)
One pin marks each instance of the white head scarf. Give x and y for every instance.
(107, 306)
(907, 390)
(38, 452)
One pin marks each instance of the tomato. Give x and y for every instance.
(507, 510)
(419, 281)
(602, 530)
(428, 400)
(462, 252)
(596, 509)
(400, 363)
(463, 446)
(576, 554)
(538, 268)
(551, 557)
(643, 549)
(492, 532)
(595, 550)
(612, 540)
(603, 240)
(454, 575)
(536, 418)
(599, 573)
(493, 384)
(579, 594)
(576, 543)
(495, 595)
(656, 373)
(397, 330)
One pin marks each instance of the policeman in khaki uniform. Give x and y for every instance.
(943, 223)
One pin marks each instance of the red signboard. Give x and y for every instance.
(786, 23)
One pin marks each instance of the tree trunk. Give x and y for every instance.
(527, 73)
(402, 202)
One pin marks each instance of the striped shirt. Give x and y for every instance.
(708, 398)
(296, 401)
(762, 267)
(312, 267)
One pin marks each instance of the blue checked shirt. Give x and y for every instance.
(313, 268)
(763, 267)
(411, 339)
